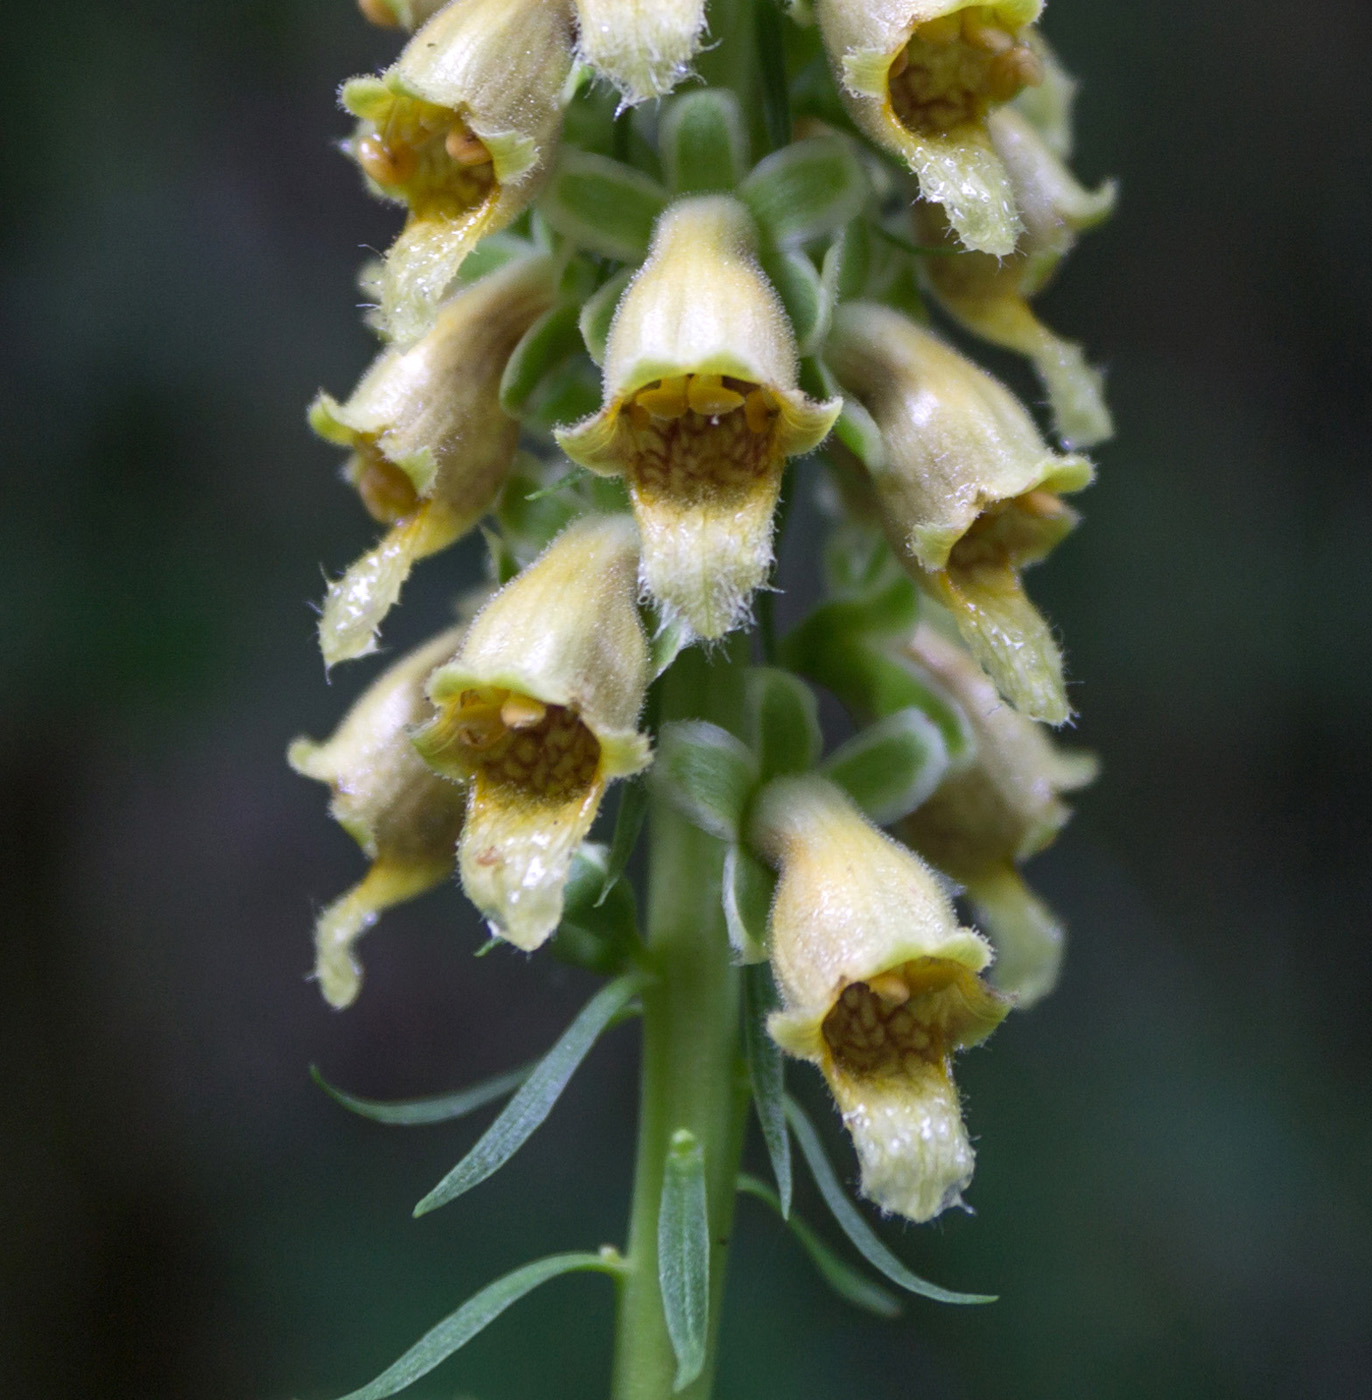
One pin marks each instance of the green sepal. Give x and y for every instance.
(455, 1331)
(599, 311)
(704, 142)
(781, 721)
(809, 305)
(602, 204)
(545, 346)
(629, 818)
(599, 927)
(846, 1281)
(850, 1219)
(848, 261)
(767, 1078)
(891, 766)
(707, 774)
(856, 429)
(683, 1255)
(746, 893)
(502, 564)
(534, 1101)
(806, 189)
(418, 1113)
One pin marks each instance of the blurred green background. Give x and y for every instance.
(1174, 1151)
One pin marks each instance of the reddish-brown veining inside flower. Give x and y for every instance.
(528, 749)
(700, 437)
(888, 1024)
(954, 68)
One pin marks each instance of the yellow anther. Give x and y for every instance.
(990, 37)
(1044, 505)
(465, 147)
(666, 399)
(522, 712)
(891, 987)
(757, 410)
(708, 396)
(387, 165)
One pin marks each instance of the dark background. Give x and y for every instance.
(1171, 1194)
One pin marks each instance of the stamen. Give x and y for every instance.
(386, 491)
(465, 147)
(387, 165)
(522, 712)
(708, 396)
(667, 399)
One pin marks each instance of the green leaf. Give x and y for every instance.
(532, 1104)
(781, 720)
(848, 261)
(633, 808)
(854, 1226)
(531, 510)
(803, 293)
(891, 766)
(856, 429)
(703, 142)
(552, 339)
(767, 1075)
(747, 890)
(806, 189)
(414, 1113)
(774, 89)
(707, 774)
(602, 205)
(599, 928)
(850, 1285)
(599, 311)
(455, 1331)
(683, 1255)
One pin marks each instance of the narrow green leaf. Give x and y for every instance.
(806, 189)
(746, 892)
(455, 1331)
(668, 643)
(707, 774)
(848, 261)
(803, 293)
(532, 1104)
(602, 204)
(683, 1255)
(853, 1225)
(599, 311)
(771, 58)
(633, 808)
(846, 1281)
(553, 338)
(782, 721)
(767, 1074)
(703, 142)
(891, 766)
(413, 1113)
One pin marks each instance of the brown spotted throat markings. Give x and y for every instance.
(545, 753)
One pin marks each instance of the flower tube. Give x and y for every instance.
(990, 296)
(430, 443)
(461, 130)
(919, 77)
(403, 815)
(537, 713)
(879, 987)
(701, 411)
(989, 816)
(969, 492)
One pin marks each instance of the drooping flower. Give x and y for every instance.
(537, 713)
(969, 491)
(701, 411)
(430, 442)
(644, 49)
(919, 77)
(403, 815)
(990, 296)
(879, 987)
(990, 815)
(461, 131)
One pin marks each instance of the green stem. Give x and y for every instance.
(692, 1075)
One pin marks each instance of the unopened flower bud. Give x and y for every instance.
(988, 816)
(701, 411)
(430, 442)
(879, 987)
(537, 711)
(645, 50)
(969, 491)
(919, 77)
(460, 130)
(403, 814)
(990, 296)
